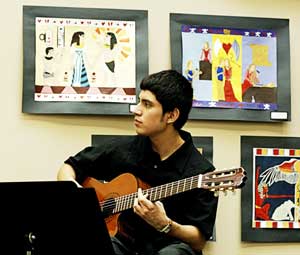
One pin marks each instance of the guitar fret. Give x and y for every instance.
(160, 192)
(121, 203)
(171, 189)
(166, 190)
(181, 186)
(131, 200)
(156, 193)
(117, 205)
(133, 196)
(126, 202)
(152, 194)
(194, 181)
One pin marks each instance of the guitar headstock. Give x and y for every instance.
(223, 180)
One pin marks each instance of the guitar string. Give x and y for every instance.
(126, 201)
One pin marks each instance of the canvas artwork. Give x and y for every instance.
(85, 60)
(276, 188)
(230, 68)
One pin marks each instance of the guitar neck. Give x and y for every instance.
(159, 192)
(218, 180)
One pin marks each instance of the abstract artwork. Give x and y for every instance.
(230, 68)
(276, 190)
(239, 67)
(83, 60)
(271, 199)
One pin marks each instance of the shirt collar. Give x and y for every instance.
(178, 159)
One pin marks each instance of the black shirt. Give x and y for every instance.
(135, 155)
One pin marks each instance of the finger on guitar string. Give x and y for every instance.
(143, 201)
(137, 207)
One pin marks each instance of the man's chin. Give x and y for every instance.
(140, 132)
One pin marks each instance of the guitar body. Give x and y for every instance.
(107, 192)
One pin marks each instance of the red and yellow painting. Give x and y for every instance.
(230, 68)
(276, 189)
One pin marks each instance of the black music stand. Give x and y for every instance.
(55, 217)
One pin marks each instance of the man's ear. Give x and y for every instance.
(173, 116)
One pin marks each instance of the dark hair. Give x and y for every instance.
(172, 90)
(75, 38)
(113, 40)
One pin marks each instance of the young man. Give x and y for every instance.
(160, 153)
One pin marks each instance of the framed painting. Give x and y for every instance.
(271, 199)
(239, 67)
(204, 145)
(83, 60)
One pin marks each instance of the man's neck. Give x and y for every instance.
(166, 144)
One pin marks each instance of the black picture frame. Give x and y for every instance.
(280, 26)
(250, 234)
(29, 105)
(202, 142)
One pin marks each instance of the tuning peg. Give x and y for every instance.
(216, 193)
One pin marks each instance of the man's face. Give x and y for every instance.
(149, 119)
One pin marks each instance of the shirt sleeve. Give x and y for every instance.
(202, 211)
(197, 207)
(89, 162)
(203, 204)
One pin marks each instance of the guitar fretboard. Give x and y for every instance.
(156, 193)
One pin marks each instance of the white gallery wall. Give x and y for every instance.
(34, 146)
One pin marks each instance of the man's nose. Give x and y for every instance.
(135, 109)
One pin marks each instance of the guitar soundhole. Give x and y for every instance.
(108, 206)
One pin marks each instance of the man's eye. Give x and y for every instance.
(147, 104)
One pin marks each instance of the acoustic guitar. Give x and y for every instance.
(119, 194)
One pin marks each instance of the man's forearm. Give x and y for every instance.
(66, 173)
(188, 234)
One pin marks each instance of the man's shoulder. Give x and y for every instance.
(199, 162)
